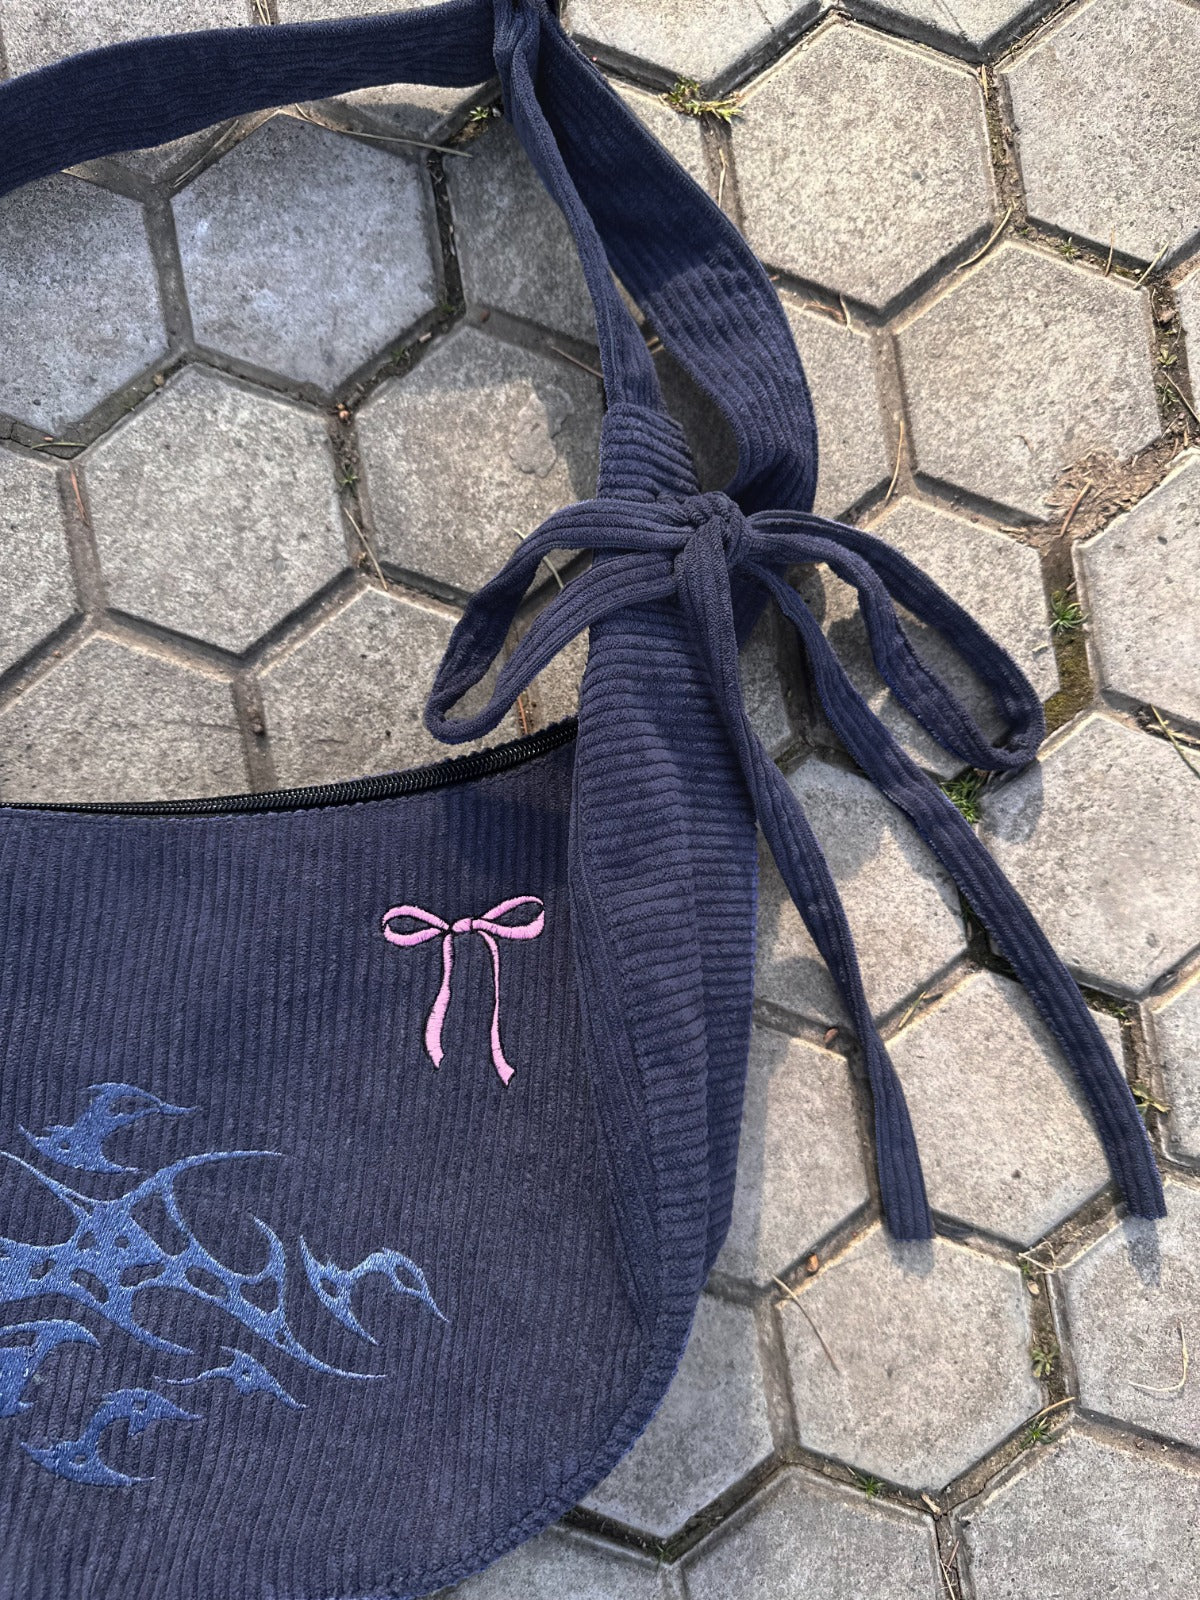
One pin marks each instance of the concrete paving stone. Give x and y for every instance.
(678, 36)
(1176, 1025)
(1141, 580)
(1189, 307)
(532, 424)
(839, 362)
(800, 1160)
(994, 577)
(805, 1536)
(79, 307)
(1081, 1519)
(1005, 1135)
(215, 509)
(1024, 368)
(37, 32)
(564, 1567)
(306, 252)
(969, 27)
(418, 108)
(764, 691)
(514, 247)
(1104, 150)
(862, 163)
(1101, 837)
(681, 136)
(37, 594)
(1128, 1297)
(554, 693)
(710, 1431)
(113, 722)
(901, 905)
(932, 1352)
(348, 700)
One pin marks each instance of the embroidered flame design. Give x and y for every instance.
(110, 1257)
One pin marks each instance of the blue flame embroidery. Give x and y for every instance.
(20, 1361)
(334, 1286)
(110, 1257)
(80, 1460)
(246, 1374)
(80, 1144)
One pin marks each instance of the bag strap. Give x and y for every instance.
(658, 542)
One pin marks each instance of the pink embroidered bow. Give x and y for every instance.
(489, 929)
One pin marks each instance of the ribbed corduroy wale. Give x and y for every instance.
(563, 1224)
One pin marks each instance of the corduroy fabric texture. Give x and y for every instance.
(527, 1255)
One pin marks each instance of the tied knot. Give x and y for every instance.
(717, 519)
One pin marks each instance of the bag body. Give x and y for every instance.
(301, 1311)
(367, 1148)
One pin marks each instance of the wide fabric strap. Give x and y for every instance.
(677, 580)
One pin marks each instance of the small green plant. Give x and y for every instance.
(1069, 249)
(1037, 1430)
(687, 99)
(478, 114)
(1043, 1358)
(870, 1486)
(1145, 1101)
(964, 793)
(1066, 614)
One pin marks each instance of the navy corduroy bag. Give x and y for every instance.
(365, 1149)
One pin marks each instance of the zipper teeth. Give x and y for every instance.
(384, 786)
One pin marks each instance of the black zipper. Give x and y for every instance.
(383, 786)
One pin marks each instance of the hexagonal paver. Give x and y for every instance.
(800, 1160)
(36, 591)
(1141, 576)
(1005, 1136)
(995, 578)
(1128, 1297)
(862, 163)
(1025, 367)
(556, 1566)
(215, 509)
(764, 692)
(677, 36)
(1176, 1023)
(419, 108)
(1101, 837)
(902, 907)
(972, 28)
(348, 699)
(531, 427)
(1104, 151)
(806, 1536)
(514, 247)
(554, 693)
(710, 1430)
(1189, 306)
(1083, 1519)
(115, 723)
(839, 362)
(932, 1353)
(37, 32)
(69, 337)
(682, 136)
(306, 252)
